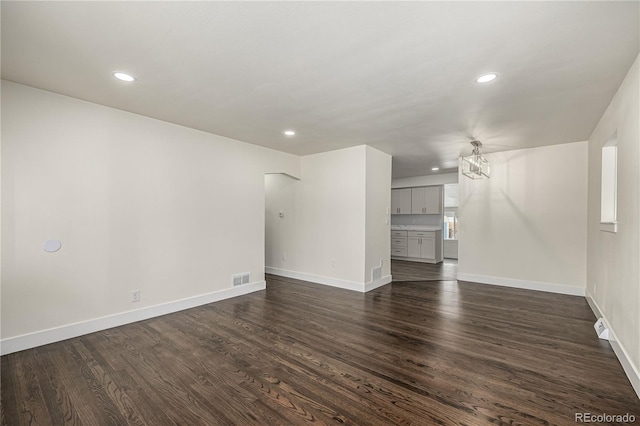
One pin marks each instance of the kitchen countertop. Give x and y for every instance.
(415, 228)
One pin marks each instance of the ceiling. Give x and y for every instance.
(398, 76)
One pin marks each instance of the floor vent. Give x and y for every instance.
(240, 279)
(602, 329)
(376, 273)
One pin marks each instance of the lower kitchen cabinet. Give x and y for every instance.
(423, 248)
(418, 246)
(398, 243)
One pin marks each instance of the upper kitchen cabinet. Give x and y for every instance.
(401, 201)
(426, 200)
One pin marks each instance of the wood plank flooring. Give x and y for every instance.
(415, 271)
(412, 352)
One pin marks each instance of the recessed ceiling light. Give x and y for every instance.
(435, 169)
(289, 133)
(124, 77)
(485, 78)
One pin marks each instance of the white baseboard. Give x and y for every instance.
(594, 307)
(632, 371)
(56, 334)
(318, 279)
(528, 285)
(416, 259)
(372, 285)
(333, 282)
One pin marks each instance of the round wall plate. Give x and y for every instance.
(51, 246)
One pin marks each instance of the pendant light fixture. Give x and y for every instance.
(475, 166)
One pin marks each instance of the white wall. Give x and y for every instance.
(428, 180)
(613, 274)
(378, 201)
(326, 218)
(525, 226)
(330, 204)
(280, 232)
(137, 203)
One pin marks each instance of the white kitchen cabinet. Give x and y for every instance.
(401, 201)
(413, 247)
(426, 200)
(399, 243)
(428, 248)
(421, 246)
(417, 201)
(421, 200)
(398, 252)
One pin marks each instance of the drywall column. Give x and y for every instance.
(378, 219)
(333, 227)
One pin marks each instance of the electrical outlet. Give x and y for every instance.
(284, 256)
(333, 263)
(135, 296)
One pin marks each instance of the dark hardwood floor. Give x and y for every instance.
(414, 271)
(411, 352)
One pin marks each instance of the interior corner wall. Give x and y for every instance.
(322, 234)
(525, 225)
(613, 273)
(136, 202)
(378, 203)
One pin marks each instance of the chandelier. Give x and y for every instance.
(475, 166)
